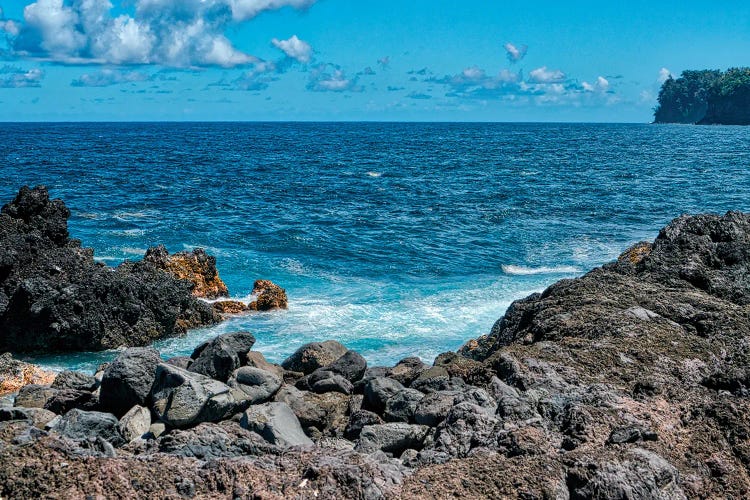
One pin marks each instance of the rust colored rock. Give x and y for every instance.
(270, 296)
(230, 307)
(15, 374)
(197, 267)
(636, 253)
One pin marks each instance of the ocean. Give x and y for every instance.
(397, 239)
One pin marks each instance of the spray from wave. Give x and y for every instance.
(528, 271)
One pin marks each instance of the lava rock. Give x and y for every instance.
(196, 267)
(221, 356)
(358, 420)
(378, 391)
(257, 385)
(314, 355)
(135, 423)
(67, 399)
(402, 406)
(182, 398)
(34, 396)
(434, 407)
(407, 370)
(269, 295)
(392, 438)
(38, 417)
(75, 380)
(80, 425)
(276, 423)
(128, 379)
(257, 360)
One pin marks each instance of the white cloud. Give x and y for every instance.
(12, 77)
(107, 77)
(330, 78)
(384, 61)
(664, 75)
(175, 33)
(600, 85)
(544, 75)
(294, 48)
(515, 53)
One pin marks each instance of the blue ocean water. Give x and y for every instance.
(395, 239)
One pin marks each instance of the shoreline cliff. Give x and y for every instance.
(628, 382)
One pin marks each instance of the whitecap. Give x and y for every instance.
(374, 174)
(526, 271)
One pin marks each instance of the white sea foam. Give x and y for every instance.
(374, 174)
(526, 271)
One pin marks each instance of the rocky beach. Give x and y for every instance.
(629, 382)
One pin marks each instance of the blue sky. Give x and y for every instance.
(356, 60)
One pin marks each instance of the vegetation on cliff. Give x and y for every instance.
(706, 97)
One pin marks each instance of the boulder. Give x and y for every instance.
(391, 438)
(182, 398)
(314, 355)
(467, 426)
(257, 385)
(407, 370)
(56, 297)
(80, 425)
(65, 400)
(183, 362)
(128, 379)
(221, 356)
(378, 391)
(207, 441)
(269, 296)
(435, 378)
(402, 406)
(434, 407)
(38, 417)
(257, 360)
(135, 423)
(351, 366)
(196, 267)
(230, 307)
(34, 396)
(276, 423)
(326, 412)
(15, 374)
(358, 420)
(75, 380)
(330, 382)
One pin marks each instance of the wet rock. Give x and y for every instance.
(135, 423)
(358, 420)
(402, 406)
(15, 374)
(257, 385)
(128, 379)
(269, 295)
(34, 396)
(314, 355)
(230, 307)
(276, 423)
(223, 355)
(378, 391)
(182, 398)
(196, 267)
(75, 380)
(391, 437)
(80, 425)
(55, 297)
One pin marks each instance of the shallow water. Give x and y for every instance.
(396, 239)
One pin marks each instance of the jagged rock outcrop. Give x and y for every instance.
(55, 297)
(15, 374)
(196, 267)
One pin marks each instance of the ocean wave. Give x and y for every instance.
(526, 271)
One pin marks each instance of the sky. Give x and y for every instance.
(360, 60)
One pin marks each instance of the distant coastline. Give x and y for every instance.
(706, 97)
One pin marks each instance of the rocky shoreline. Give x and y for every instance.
(629, 382)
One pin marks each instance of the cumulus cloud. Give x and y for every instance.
(107, 77)
(600, 85)
(474, 81)
(294, 48)
(331, 78)
(12, 77)
(258, 78)
(515, 53)
(173, 33)
(384, 61)
(664, 75)
(544, 75)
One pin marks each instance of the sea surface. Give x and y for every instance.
(395, 239)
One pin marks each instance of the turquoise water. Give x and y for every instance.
(396, 239)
